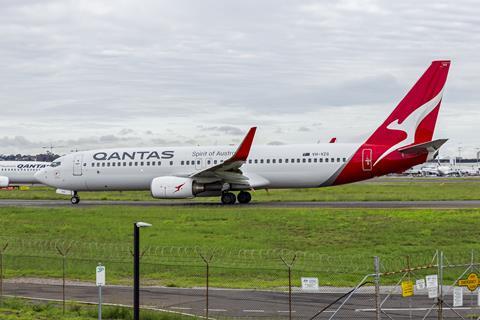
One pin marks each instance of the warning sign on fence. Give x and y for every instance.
(472, 282)
(407, 288)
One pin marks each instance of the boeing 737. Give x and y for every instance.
(19, 172)
(403, 140)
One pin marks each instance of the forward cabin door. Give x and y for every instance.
(77, 164)
(367, 163)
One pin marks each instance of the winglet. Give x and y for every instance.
(333, 140)
(244, 149)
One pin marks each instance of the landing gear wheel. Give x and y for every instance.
(75, 200)
(244, 197)
(228, 198)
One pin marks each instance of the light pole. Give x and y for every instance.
(136, 267)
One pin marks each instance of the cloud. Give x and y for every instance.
(81, 69)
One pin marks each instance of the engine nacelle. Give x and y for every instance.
(4, 181)
(170, 187)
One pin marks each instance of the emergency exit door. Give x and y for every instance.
(367, 164)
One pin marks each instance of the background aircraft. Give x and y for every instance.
(20, 172)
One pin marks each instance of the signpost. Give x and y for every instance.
(100, 280)
(309, 284)
(472, 282)
(407, 288)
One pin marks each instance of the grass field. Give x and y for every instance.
(17, 309)
(344, 239)
(374, 190)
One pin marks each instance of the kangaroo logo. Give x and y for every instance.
(410, 124)
(179, 187)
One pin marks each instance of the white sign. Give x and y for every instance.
(420, 284)
(478, 300)
(309, 283)
(432, 281)
(100, 276)
(457, 296)
(433, 292)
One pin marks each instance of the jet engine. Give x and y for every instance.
(4, 181)
(171, 187)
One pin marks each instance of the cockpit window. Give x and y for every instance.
(55, 164)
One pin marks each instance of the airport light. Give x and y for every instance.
(136, 267)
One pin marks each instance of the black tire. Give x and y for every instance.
(228, 198)
(244, 197)
(75, 200)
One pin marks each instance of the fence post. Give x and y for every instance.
(207, 276)
(2, 251)
(289, 266)
(440, 285)
(63, 253)
(378, 313)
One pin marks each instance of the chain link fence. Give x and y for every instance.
(224, 283)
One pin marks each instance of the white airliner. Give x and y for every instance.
(403, 140)
(20, 172)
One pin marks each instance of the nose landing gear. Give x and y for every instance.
(75, 199)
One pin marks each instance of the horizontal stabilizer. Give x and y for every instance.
(425, 147)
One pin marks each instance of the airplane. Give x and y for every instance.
(20, 172)
(403, 140)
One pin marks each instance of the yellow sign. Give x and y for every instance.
(472, 282)
(407, 288)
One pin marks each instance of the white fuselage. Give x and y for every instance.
(21, 172)
(286, 166)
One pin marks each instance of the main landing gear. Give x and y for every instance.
(75, 199)
(230, 198)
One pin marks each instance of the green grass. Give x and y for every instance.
(335, 244)
(376, 190)
(18, 309)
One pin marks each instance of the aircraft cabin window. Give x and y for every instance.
(338, 159)
(315, 160)
(214, 161)
(273, 161)
(113, 164)
(268, 160)
(93, 164)
(148, 163)
(182, 163)
(261, 160)
(141, 163)
(344, 159)
(298, 160)
(124, 164)
(84, 164)
(159, 163)
(103, 164)
(279, 160)
(309, 160)
(188, 162)
(108, 164)
(326, 159)
(304, 160)
(119, 164)
(320, 160)
(136, 163)
(286, 160)
(130, 163)
(198, 161)
(333, 160)
(171, 163)
(209, 161)
(256, 161)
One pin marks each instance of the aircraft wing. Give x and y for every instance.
(427, 147)
(229, 170)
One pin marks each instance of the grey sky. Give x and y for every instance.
(87, 74)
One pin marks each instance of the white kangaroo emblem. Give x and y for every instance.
(410, 124)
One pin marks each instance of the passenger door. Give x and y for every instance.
(77, 164)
